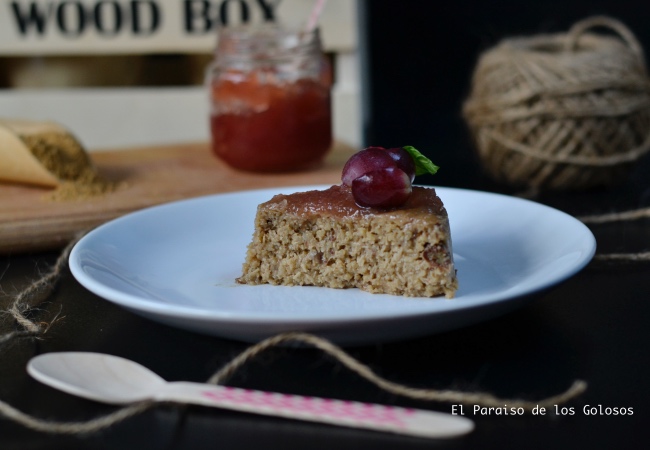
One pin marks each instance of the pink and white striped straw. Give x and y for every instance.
(315, 15)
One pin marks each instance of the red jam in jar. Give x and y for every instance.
(270, 99)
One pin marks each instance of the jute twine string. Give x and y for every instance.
(25, 300)
(86, 427)
(448, 396)
(634, 214)
(623, 257)
(562, 111)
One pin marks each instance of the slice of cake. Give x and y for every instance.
(324, 238)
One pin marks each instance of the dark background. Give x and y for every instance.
(418, 60)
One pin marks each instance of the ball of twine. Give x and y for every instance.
(562, 111)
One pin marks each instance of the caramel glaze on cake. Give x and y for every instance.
(323, 238)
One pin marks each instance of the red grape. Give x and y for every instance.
(367, 160)
(403, 160)
(384, 188)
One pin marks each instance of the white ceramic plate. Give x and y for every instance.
(177, 263)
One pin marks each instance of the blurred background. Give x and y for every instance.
(402, 69)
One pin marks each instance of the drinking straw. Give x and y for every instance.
(315, 15)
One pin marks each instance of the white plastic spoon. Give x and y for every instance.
(115, 380)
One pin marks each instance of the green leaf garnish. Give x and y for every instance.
(422, 163)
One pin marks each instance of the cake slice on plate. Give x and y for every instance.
(326, 238)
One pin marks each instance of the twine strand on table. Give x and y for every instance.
(623, 257)
(84, 427)
(28, 299)
(448, 396)
(634, 214)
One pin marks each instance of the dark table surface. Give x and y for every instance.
(593, 327)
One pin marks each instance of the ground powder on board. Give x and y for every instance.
(63, 155)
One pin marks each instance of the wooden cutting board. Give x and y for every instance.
(30, 221)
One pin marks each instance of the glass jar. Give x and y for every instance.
(270, 99)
